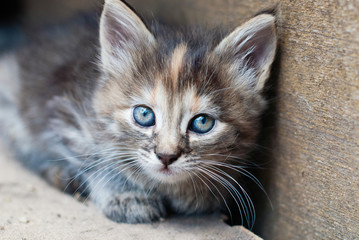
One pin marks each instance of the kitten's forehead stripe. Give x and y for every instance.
(176, 63)
(196, 103)
(153, 95)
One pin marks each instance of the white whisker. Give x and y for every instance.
(223, 198)
(249, 201)
(124, 168)
(102, 169)
(237, 169)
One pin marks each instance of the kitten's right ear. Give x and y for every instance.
(121, 33)
(251, 49)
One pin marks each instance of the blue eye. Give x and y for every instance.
(144, 116)
(201, 124)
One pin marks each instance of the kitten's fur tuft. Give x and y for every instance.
(74, 106)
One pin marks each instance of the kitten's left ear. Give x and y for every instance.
(122, 33)
(251, 49)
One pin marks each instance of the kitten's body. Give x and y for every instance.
(69, 112)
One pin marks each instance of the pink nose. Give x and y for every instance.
(167, 159)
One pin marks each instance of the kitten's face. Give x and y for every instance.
(180, 108)
(175, 114)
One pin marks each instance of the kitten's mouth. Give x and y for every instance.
(166, 171)
(168, 174)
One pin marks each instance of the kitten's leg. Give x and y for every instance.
(126, 203)
(64, 177)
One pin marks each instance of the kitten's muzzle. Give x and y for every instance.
(167, 159)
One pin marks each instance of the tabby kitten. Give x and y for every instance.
(152, 120)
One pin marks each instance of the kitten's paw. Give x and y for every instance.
(132, 208)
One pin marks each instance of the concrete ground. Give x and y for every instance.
(31, 209)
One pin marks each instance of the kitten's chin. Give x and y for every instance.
(168, 175)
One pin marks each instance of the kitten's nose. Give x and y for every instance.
(167, 159)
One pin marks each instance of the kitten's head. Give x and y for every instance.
(179, 103)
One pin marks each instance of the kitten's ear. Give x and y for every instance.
(121, 33)
(251, 50)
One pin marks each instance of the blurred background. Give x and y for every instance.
(19, 16)
(9, 20)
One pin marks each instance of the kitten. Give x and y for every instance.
(152, 120)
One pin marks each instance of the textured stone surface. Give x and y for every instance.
(30, 209)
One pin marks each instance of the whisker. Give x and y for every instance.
(248, 199)
(219, 180)
(129, 176)
(95, 164)
(124, 168)
(94, 173)
(102, 169)
(243, 172)
(224, 200)
(243, 160)
(236, 168)
(194, 187)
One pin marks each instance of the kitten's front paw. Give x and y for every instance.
(132, 208)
